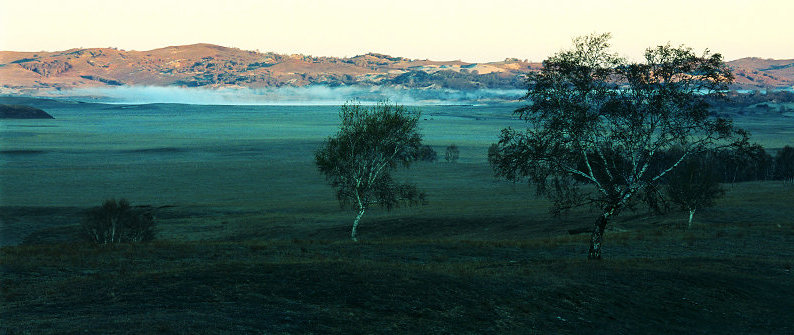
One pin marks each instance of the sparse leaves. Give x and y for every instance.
(117, 222)
(371, 143)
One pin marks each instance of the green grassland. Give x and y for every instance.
(419, 272)
(252, 241)
(474, 260)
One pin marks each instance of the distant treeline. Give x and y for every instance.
(449, 79)
(463, 80)
(755, 99)
(748, 164)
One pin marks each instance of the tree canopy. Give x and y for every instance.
(371, 143)
(598, 120)
(693, 185)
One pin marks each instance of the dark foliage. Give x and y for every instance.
(748, 163)
(117, 222)
(427, 154)
(598, 120)
(784, 164)
(452, 154)
(737, 99)
(462, 80)
(694, 185)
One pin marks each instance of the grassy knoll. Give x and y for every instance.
(422, 271)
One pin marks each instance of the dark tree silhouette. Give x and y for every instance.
(118, 222)
(598, 120)
(358, 161)
(452, 154)
(427, 154)
(693, 185)
(784, 164)
(750, 162)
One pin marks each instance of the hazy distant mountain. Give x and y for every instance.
(206, 65)
(755, 72)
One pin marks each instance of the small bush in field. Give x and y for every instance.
(452, 154)
(427, 154)
(117, 222)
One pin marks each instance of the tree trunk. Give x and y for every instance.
(691, 214)
(598, 235)
(355, 224)
(113, 230)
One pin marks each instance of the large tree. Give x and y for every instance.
(358, 161)
(598, 120)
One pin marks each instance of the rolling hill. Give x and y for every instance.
(212, 66)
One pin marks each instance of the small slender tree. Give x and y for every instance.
(452, 154)
(358, 161)
(693, 185)
(599, 121)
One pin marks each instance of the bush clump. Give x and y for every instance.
(117, 222)
(452, 154)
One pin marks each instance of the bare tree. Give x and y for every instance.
(358, 161)
(597, 120)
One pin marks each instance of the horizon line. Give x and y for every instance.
(311, 55)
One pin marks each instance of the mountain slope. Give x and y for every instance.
(207, 65)
(758, 72)
(215, 66)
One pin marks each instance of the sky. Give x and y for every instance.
(473, 31)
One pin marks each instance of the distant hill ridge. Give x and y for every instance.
(207, 65)
(22, 112)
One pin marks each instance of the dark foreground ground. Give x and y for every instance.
(420, 273)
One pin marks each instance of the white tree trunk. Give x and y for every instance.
(113, 230)
(355, 224)
(691, 214)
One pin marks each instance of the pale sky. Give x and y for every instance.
(474, 31)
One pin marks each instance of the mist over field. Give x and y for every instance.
(306, 95)
(241, 205)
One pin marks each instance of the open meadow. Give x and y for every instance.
(252, 240)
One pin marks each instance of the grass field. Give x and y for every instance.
(418, 272)
(252, 241)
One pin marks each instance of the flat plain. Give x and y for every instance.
(252, 240)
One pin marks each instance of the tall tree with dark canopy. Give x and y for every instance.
(598, 120)
(371, 143)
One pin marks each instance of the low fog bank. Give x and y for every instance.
(308, 95)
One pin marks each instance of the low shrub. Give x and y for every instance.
(427, 154)
(117, 222)
(452, 154)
